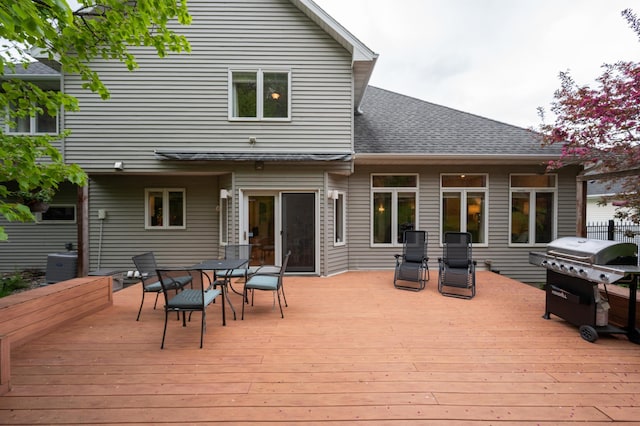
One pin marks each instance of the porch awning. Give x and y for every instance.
(251, 156)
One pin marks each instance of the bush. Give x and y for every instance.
(13, 282)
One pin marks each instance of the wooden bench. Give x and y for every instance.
(30, 314)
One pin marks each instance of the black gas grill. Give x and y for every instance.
(575, 266)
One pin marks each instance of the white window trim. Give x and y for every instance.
(224, 210)
(394, 207)
(341, 196)
(259, 93)
(463, 207)
(165, 207)
(533, 190)
(32, 123)
(39, 219)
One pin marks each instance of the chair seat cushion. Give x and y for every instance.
(153, 287)
(233, 273)
(192, 299)
(262, 282)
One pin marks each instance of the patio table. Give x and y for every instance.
(220, 265)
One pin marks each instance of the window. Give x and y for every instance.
(339, 213)
(533, 209)
(393, 208)
(464, 205)
(224, 220)
(259, 95)
(58, 214)
(41, 123)
(165, 209)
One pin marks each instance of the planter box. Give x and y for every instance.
(29, 314)
(619, 304)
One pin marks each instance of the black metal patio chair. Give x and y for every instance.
(412, 266)
(457, 269)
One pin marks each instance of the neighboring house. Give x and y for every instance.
(267, 133)
(601, 201)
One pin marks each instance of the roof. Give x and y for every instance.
(398, 127)
(35, 68)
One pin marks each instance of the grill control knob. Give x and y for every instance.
(604, 277)
(582, 272)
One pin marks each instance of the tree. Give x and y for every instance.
(105, 29)
(600, 127)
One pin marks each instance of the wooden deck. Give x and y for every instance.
(350, 348)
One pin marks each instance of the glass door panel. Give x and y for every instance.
(261, 220)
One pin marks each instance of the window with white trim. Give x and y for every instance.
(533, 208)
(165, 208)
(58, 213)
(393, 208)
(259, 94)
(339, 215)
(41, 122)
(464, 205)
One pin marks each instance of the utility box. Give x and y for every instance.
(61, 266)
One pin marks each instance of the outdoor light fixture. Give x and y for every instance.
(118, 165)
(252, 140)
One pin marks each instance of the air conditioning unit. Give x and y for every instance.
(61, 266)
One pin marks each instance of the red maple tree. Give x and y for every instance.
(600, 127)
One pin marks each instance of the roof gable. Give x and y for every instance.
(363, 59)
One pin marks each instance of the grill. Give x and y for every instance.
(575, 266)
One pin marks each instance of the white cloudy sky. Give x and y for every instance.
(496, 58)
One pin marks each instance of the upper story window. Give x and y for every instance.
(533, 208)
(259, 95)
(41, 122)
(464, 205)
(394, 207)
(165, 209)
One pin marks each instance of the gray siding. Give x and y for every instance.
(511, 261)
(337, 258)
(180, 102)
(30, 243)
(122, 234)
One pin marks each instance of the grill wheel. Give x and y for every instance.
(588, 333)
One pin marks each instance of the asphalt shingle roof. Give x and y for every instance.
(397, 124)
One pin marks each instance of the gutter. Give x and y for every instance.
(478, 159)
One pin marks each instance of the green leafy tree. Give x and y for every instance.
(71, 37)
(600, 127)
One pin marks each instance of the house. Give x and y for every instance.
(268, 133)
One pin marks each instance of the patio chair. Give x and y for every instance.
(193, 299)
(267, 278)
(412, 265)
(146, 266)
(236, 251)
(457, 269)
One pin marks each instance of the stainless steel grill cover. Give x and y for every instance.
(599, 252)
(589, 259)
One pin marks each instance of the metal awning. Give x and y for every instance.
(251, 156)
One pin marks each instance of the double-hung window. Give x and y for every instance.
(41, 122)
(393, 208)
(464, 205)
(259, 95)
(165, 208)
(533, 208)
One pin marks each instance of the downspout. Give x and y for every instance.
(324, 262)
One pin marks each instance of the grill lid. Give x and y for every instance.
(599, 252)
